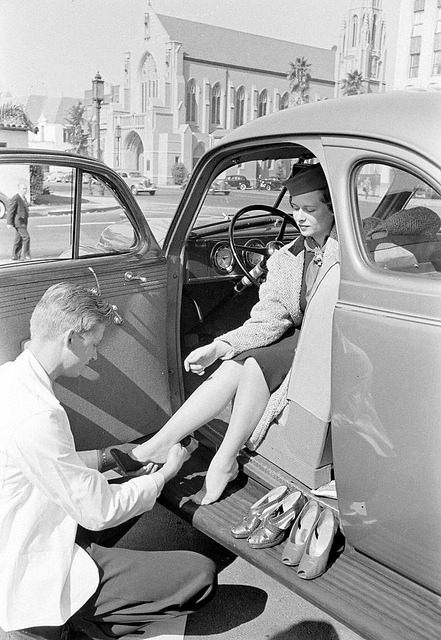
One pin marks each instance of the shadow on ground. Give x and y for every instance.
(233, 606)
(308, 630)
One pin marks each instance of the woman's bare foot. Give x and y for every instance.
(219, 474)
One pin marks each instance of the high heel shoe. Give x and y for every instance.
(258, 511)
(300, 532)
(316, 554)
(273, 528)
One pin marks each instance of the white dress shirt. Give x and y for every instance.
(46, 490)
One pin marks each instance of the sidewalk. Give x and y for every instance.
(91, 203)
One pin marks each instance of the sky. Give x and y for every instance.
(55, 47)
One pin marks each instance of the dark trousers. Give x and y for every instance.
(135, 588)
(22, 241)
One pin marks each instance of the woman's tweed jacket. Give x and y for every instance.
(276, 311)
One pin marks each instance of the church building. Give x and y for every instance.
(186, 84)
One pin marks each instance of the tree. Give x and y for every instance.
(299, 78)
(14, 115)
(178, 173)
(78, 127)
(352, 85)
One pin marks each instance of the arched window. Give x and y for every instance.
(284, 101)
(190, 101)
(354, 31)
(149, 82)
(262, 103)
(215, 104)
(239, 112)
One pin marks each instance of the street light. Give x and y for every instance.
(98, 97)
(118, 141)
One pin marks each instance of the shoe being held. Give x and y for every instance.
(258, 511)
(273, 528)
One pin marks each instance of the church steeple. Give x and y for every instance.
(363, 45)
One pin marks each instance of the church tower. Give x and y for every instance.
(362, 45)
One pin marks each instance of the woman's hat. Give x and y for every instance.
(307, 178)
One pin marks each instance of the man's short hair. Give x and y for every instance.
(67, 306)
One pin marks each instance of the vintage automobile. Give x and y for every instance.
(382, 447)
(137, 182)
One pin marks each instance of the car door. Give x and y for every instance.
(386, 390)
(90, 230)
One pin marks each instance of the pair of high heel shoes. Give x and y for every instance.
(268, 520)
(310, 540)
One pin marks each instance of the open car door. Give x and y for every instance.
(88, 229)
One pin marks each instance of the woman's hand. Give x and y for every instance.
(201, 358)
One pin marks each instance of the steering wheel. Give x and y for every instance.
(265, 252)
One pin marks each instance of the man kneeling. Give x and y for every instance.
(51, 570)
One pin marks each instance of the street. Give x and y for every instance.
(50, 227)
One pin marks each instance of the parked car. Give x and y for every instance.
(238, 182)
(219, 187)
(137, 182)
(382, 447)
(271, 183)
(3, 204)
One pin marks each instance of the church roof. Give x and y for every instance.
(246, 50)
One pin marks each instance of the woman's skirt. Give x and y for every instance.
(274, 359)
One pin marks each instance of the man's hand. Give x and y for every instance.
(201, 358)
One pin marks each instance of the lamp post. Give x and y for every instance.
(98, 97)
(118, 141)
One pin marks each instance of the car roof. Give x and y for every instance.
(397, 116)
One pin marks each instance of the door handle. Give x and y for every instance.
(129, 276)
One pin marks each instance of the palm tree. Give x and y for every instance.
(14, 115)
(352, 85)
(299, 78)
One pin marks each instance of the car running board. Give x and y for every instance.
(370, 599)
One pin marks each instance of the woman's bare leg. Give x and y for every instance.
(250, 402)
(206, 402)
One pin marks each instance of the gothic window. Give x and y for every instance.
(262, 103)
(415, 49)
(190, 101)
(215, 104)
(239, 111)
(149, 82)
(374, 32)
(284, 101)
(354, 31)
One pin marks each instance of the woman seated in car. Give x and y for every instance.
(257, 357)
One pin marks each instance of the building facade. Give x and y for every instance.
(187, 84)
(418, 58)
(362, 46)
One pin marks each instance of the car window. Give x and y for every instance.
(223, 197)
(41, 222)
(401, 220)
(40, 225)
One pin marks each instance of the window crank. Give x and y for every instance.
(129, 276)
